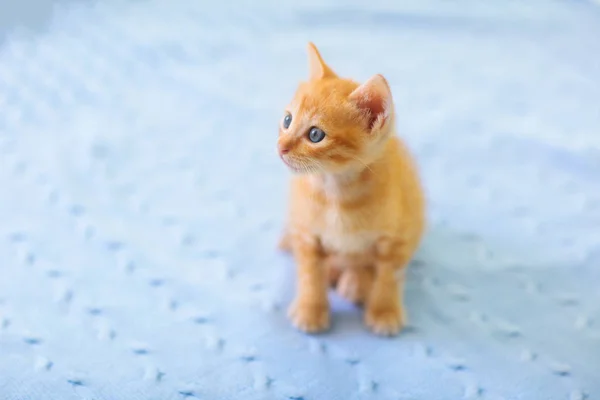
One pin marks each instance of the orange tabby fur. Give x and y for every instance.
(356, 212)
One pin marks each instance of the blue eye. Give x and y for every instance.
(316, 135)
(287, 120)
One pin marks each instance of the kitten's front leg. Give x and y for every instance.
(310, 310)
(385, 313)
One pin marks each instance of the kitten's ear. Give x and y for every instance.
(316, 66)
(374, 97)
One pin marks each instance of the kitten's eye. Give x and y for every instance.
(316, 135)
(287, 120)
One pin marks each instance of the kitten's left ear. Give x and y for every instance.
(374, 97)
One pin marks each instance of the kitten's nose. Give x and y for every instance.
(283, 149)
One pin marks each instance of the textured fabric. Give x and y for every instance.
(141, 201)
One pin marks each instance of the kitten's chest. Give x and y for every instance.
(346, 231)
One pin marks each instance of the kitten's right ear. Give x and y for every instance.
(316, 66)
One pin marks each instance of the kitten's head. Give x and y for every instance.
(333, 125)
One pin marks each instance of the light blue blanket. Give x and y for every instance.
(141, 201)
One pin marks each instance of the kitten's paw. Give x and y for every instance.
(355, 285)
(385, 321)
(310, 317)
(285, 243)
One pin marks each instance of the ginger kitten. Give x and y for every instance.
(356, 212)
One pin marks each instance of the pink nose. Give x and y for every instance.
(283, 149)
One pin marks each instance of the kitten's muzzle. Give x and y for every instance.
(282, 148)
(287, 162)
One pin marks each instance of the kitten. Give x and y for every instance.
(356, 212)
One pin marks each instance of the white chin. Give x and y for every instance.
(292, 168)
